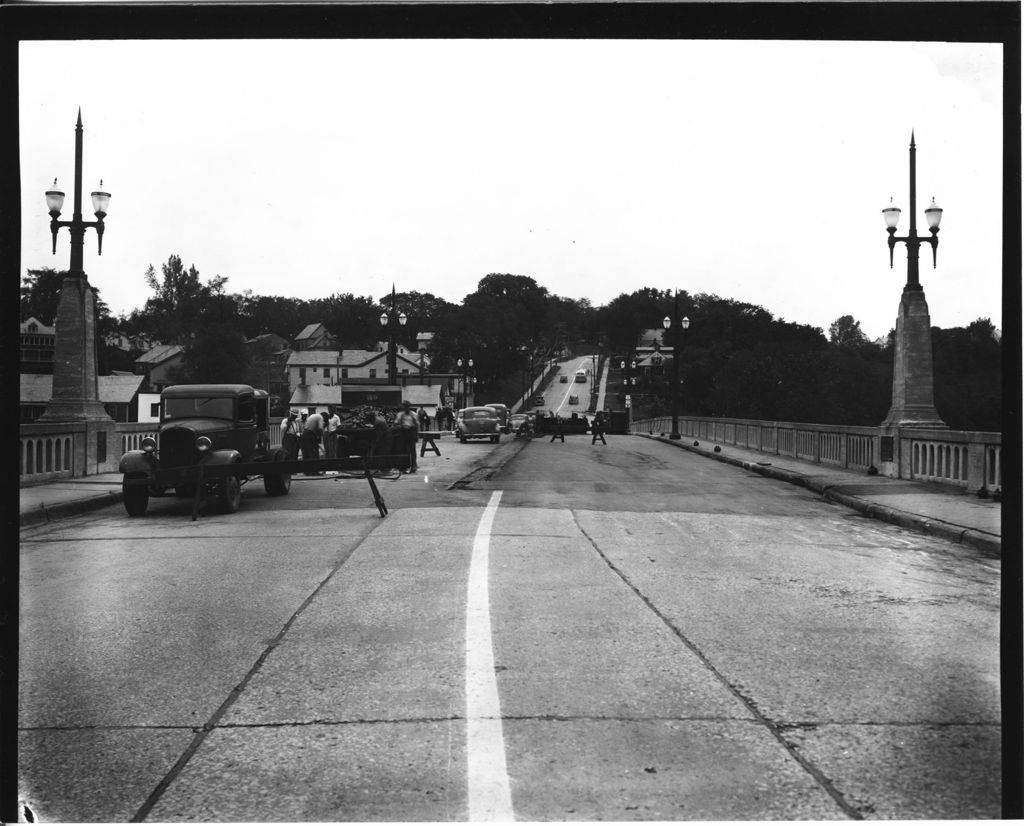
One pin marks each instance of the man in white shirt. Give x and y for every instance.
(332, 423)
(312, 434)
(290, 430)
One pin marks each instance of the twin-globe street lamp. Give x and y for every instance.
(75, 390)
(466, 377)
(933, 215)
(670, 324)
(387, 321)
(913, 402)
(76, 226)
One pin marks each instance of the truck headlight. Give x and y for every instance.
(148, 444)
(203, 444)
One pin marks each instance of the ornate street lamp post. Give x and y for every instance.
(467, 380)
(673, 325)
(75, 395)
(913, 402)
(388, 320)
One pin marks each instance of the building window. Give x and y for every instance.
(302, 375)
(373, 372)
(344, 372)
(327, 372)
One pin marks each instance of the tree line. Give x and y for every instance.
(737, 360)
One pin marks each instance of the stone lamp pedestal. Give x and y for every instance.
(913, 399)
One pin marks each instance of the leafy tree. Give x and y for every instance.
(968, 373)
(216, 355)
(182, 304)
(845, 332)
(40, 294)
(626, 315)
(258, 314)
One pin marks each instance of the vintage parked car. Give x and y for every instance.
(478, 423)
(563, 379)
(209, 425)
(502, 411)
(574, 399)
(538, 401)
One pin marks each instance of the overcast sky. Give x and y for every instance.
(753, 170)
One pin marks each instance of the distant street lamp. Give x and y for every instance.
(467, 379)
(629, 367)
(528, 376)
(388, 321)
(671, 324)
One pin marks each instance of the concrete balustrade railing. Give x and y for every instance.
(967, 459)
(55, 451)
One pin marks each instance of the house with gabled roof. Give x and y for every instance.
(37, 343)
(119, 394)
(309, 367)
(314, 337)
(361, 377)
(651, 350)
(157, 363)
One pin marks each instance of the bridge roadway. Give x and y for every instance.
(537, 631)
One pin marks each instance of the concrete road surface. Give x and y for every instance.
(573, 632)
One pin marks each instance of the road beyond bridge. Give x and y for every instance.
(571, 632)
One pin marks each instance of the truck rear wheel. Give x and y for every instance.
(136, 497)
(277, 484)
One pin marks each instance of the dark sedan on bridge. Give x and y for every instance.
(478, 423)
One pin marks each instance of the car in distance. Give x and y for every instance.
(574, 399)
(502, 411)
(206, 425)
(538, 401)
(563, 379)
(517, 420)
(581, 376)
(478, 423)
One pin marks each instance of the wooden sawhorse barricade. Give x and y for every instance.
(427, 442)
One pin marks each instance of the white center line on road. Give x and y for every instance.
(490, 796)
(572, 386)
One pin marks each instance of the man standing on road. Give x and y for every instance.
(312, 434)
(408, 428)
(290, 429)
(597, 428)
(331, 423)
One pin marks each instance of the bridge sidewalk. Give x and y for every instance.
(932, 508)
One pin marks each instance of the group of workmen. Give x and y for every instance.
(316, 435)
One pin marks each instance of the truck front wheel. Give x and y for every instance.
(136, 496)
(230, 493)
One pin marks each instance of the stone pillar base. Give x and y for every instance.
(74, 410)
(913, 402)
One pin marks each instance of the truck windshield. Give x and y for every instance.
(186, 408)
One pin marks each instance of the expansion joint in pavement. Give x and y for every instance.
(771, 726)
(214, 721)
